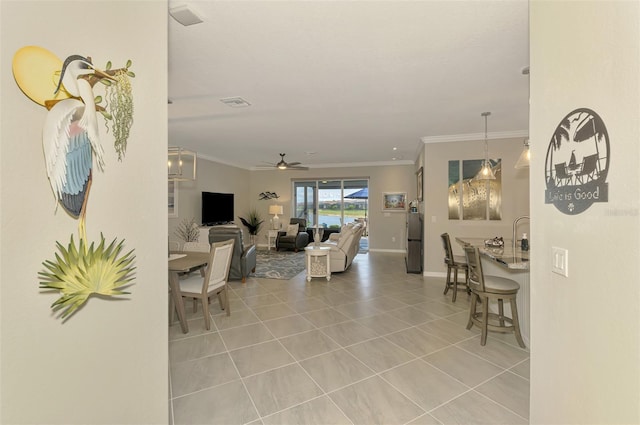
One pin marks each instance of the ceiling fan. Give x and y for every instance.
(284, 165)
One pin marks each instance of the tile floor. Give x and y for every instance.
(375, 345)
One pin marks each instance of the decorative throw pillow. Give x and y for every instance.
(292, 230)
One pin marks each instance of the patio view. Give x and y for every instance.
(330, 204)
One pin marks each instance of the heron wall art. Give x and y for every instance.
(72, 149)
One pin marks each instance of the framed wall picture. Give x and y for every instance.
(173, 199)
(394, 201)
(470, 198)
(420, 183)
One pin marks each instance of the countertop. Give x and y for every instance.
(505, 256)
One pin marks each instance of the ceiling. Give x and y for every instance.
(335, 83)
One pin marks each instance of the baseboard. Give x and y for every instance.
(396, 251)
(434, 274)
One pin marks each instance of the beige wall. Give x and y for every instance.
(108, 363)
(515, 196)
(585, 330)
(247, 185)
(211, 177)
(383, 226)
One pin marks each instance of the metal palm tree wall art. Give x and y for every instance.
(72, 147)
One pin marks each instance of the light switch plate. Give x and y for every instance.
(560, 261)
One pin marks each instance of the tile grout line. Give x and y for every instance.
(297, 362)
(352, 319)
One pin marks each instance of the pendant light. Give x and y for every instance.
(181, 164)
(525, 156)
(485, 173)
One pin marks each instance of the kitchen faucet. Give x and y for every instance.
(515, 225)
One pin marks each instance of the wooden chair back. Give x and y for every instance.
(219, 264)
(476, 276)
(448, 252)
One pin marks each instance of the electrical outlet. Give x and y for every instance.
(393, 238)
(560, 261)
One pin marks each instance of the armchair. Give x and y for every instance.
(295, 242)
(243, 261)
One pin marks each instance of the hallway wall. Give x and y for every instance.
(585, 358)
(109, 362)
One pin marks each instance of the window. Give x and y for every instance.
(331, 203)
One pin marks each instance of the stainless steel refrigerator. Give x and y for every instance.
(414, 243)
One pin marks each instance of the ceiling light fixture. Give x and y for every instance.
(525, 156)
(181, 164)
(485, 173)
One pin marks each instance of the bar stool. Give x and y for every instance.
(454, 263)
(486, 288)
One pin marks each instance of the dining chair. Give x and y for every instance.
(454, 263)
(485, 289)
(214, 281)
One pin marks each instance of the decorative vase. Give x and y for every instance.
(317, 236)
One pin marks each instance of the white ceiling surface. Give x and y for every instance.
(348, 80)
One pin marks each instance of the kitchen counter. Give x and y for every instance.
(505, 256)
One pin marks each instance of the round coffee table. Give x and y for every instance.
(318, 264)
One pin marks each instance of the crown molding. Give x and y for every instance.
(344, 165)
(475, 136)
(364, 164)
(311, 166)
(220, 161)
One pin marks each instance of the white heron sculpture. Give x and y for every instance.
(70, 137)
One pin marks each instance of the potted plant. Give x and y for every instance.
(253, 223)
(188, 230)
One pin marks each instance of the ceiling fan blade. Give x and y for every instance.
(293, 164)
(297, 167)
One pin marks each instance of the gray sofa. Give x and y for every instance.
(243, 261)
(295, 242)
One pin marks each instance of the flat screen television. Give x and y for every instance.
(217, 208)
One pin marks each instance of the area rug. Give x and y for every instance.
(279, 264)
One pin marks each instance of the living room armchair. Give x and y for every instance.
(243, 261)
(295, 240)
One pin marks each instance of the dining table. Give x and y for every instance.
(183, 262)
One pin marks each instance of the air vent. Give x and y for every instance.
(235, 102)
(185, 15)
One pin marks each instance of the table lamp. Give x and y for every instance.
(275, 221)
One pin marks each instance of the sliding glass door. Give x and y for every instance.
(331, 203)
(304, 200)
